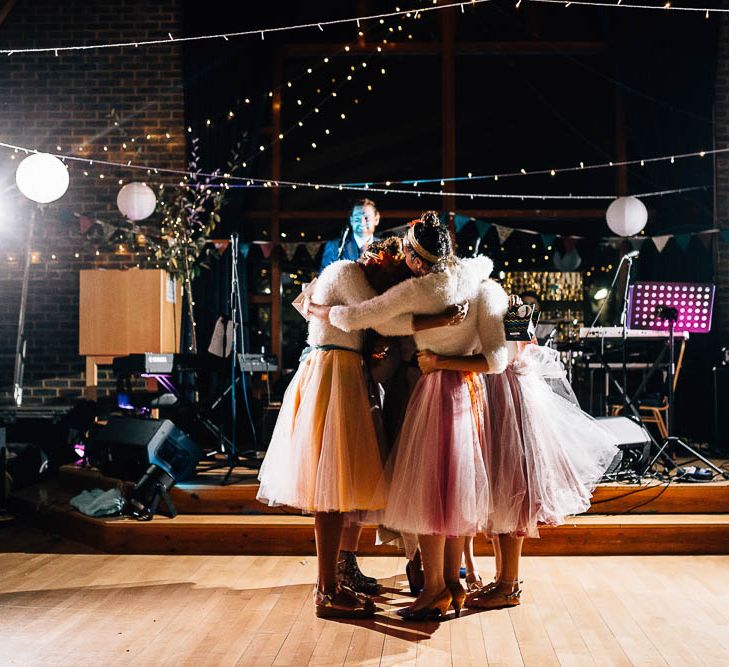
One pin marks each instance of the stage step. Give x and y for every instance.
(205, 495)
(637, 534)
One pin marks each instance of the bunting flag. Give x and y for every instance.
(638, 242)
(548, 239)
(459, 221)
(683, 240)
(660, 242)
(724, 234)
(482, 226)
(504, 233)
(85, 223)
(313, 248)
(266, 248)
(221, 245)
(289, 250)
(569, 243)
(244, 249)
(705, 239)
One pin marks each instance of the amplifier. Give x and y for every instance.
(257, 363)
(125, 447)
(633, 441)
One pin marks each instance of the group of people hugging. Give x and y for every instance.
(411, 411)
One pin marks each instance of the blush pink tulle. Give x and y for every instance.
(437, 477)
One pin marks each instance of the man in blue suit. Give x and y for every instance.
(363, 221)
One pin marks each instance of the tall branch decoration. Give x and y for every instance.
(189, 214)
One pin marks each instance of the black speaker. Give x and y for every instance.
(268, 422)
(719, 437)
(125, 448)
(633, 441)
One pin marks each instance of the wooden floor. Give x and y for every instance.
(62, 603)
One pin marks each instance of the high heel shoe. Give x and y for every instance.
(416, 579)
(435, 610)
(496, 597)
(458, 593)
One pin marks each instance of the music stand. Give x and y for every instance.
(672, 308)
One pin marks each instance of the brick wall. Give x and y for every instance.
(48, 101)
(721, 129)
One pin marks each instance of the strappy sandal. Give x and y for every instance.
(473, 582)
(494, 598)
(343, 603)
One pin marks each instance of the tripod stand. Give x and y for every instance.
(238, 345)
(667, 313)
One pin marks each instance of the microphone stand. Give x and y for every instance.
(343, 242)
(624, 324)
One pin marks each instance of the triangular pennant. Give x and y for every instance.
(568, 261)
(638, 242)
(724, 233)
(85, 223)
(266, 248)
(66, 216)
(459, 221)
(244, 249)
(221, 245)
(660, 242)
(683, 240)
(312, 247)
(705, 239)
(482, 226)
(569, 243)
(503, 232)
(289, 249)
(548, 239)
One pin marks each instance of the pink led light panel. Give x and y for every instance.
(693, 301)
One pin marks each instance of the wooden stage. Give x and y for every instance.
(63, 603)
(652, 519)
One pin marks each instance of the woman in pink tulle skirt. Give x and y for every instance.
(543, 457)
(438, 487)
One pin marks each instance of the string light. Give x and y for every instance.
(562, 170)
(247, 181)
(620, 5)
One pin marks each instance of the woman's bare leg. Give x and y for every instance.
(432, 548)
(350, 537)
(328, 533)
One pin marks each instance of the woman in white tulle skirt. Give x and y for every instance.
(543, 455)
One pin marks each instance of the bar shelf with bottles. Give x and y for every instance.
(561, 295)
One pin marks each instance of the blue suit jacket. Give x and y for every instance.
(350, 250)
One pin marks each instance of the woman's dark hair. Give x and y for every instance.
(433, 236)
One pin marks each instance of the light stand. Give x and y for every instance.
(670, 314)
(20, 343)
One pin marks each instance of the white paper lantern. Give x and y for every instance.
(136, 201)
(42, 178)
(626, 216)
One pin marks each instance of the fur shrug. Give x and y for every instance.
(481, 332)
(343, 282)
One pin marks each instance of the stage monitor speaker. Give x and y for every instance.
(633, 441)
(268, 423)
(126, 446)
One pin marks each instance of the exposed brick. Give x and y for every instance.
(48, 101)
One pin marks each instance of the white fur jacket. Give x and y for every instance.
(344, 282)
(481, 332)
